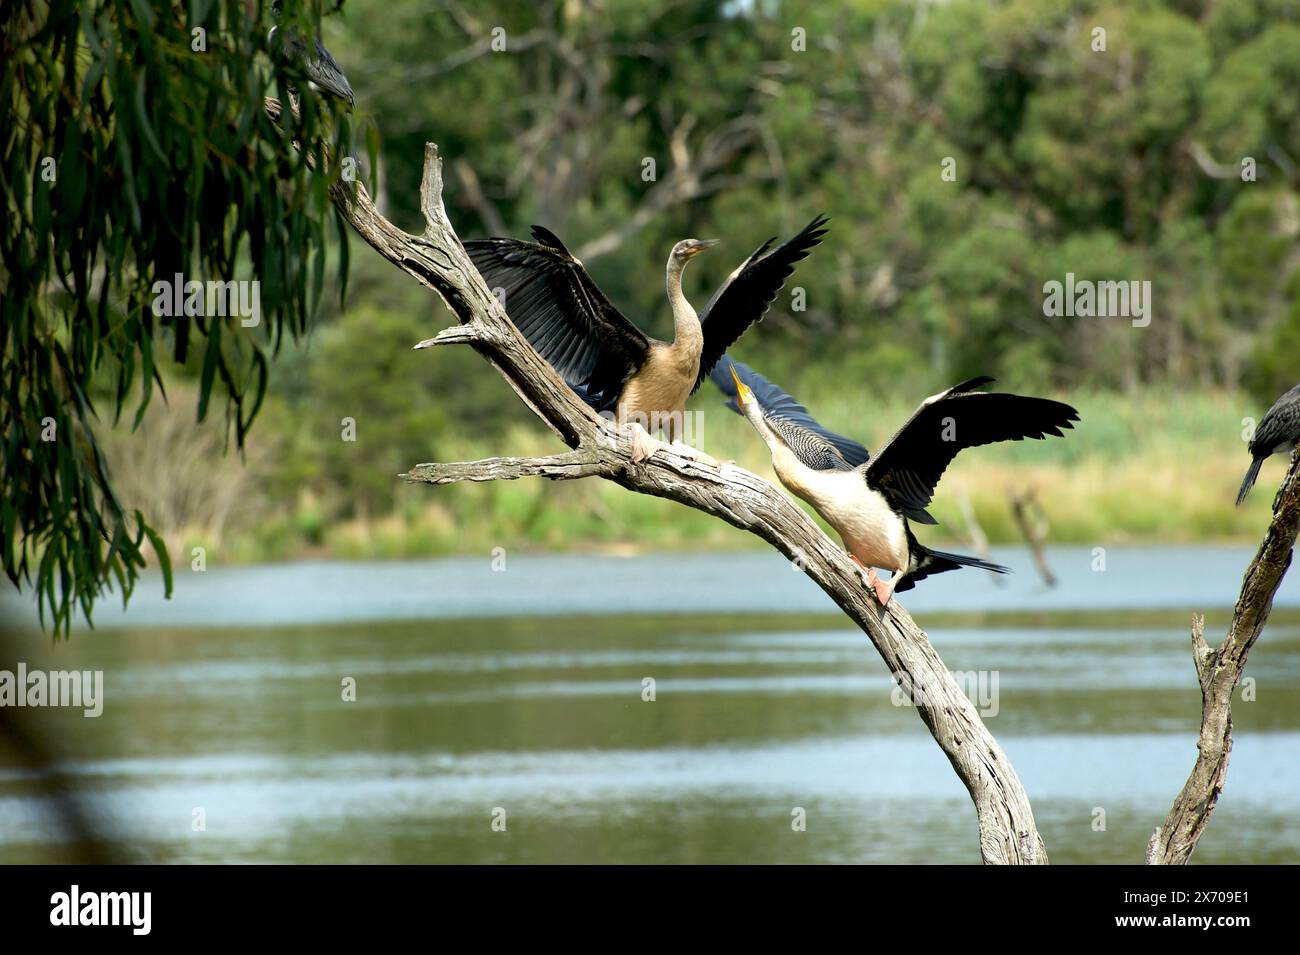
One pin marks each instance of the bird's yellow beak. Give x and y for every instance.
(741, 390)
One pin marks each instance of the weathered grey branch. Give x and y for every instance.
(559, 467)
(436, 259)
(1219, 670)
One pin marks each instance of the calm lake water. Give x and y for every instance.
(521, 690)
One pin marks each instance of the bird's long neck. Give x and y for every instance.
(764, 430)
(790, 471)
(688, 337)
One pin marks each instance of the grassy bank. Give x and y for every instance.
(1155, 467)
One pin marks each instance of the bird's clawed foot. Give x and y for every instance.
(643, 445)
(883, 590)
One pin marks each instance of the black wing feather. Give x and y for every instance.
(778, 405)
(908, 468)
(563, 313)
(746, 296)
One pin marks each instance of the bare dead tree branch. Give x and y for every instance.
(1219, 670)
(979, 540)
(1032, 521)
(558, 467)
(1209, 165)
(695, 173)
(436, 259)
(484, 206)
(481, 46)
(1283, 160)
(468, 23)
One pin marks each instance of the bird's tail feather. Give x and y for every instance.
(1249, 480)
(926, 562)
(938, 557)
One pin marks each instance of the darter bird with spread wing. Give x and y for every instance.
(606, 359)
(870, 500)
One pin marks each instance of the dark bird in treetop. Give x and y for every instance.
(323, 71)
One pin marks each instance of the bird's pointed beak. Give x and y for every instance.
(740, 387)
(707, 244)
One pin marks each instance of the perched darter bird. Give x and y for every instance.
(869, 501)
(609, 362)
(324, 75)
(1278, 433)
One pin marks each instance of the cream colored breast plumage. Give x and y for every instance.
(662, 384)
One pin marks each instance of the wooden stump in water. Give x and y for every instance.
(1033, 523)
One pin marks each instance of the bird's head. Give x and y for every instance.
(743, 395)
(276, 10)
(745, 400)
(687, 249)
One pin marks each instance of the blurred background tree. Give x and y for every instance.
(1117, 162)
(136, 148)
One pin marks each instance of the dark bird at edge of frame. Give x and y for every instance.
(1277, 433)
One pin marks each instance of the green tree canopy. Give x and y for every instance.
(136, 148)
